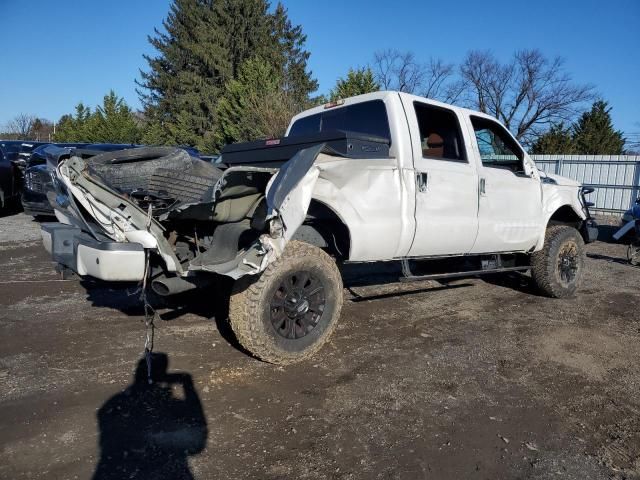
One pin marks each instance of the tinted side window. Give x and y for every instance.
(369, 118)
(497, 147)
(440, 136)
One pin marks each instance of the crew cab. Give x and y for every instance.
(385, 176)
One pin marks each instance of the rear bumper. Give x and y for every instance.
(109, 261)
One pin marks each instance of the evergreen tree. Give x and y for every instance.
(291, 57)
(74, 127)
(112, 122)
(558, 140)
(357, 82)
(594, 134)
(187, 74)
(255, 105)
(205, 45)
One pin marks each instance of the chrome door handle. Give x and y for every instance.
(483, 186)
(422, 181)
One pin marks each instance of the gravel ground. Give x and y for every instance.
(475, 379)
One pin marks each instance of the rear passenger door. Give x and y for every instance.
(446, 183)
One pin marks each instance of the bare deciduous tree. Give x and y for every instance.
(41, 130)
(528, 94)
(20, 126)
(440, 83)
(395, 70)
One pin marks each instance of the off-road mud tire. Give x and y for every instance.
(250, 308)
(546, 264)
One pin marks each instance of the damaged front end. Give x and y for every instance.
(124, 221)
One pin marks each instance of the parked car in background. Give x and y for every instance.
(15, 149)
(12, 164)
(37, 179)
(18, 151)
(11, 168)
(26, 148)
(7, 179)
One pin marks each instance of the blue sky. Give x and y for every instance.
(57, 53)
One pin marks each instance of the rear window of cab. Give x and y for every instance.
(369, 118)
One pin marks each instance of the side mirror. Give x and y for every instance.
(530, 168)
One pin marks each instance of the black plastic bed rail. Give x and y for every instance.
(275, 152)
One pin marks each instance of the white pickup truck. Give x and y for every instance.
(385, 176)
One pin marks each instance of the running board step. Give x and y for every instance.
(469, 273)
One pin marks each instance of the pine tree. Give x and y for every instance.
(112, 122)
(357, 82)
(254, 105)
(73, 127)
(594, 134)
(557, 141)
(291, 57)
(187, 74)
(204, 47)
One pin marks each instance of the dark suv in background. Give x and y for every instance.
(12, 161)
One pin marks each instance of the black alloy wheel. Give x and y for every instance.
(297, 305)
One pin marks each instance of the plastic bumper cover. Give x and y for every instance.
(109, 261)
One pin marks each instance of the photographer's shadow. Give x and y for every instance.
(149, 430)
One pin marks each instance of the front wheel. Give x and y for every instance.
(557, 268)
(289, 312)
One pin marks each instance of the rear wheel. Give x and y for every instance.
(557, 268)
(289, 312)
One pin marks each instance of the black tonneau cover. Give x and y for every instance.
(275, 152)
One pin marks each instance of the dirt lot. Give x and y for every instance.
(477, 379)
